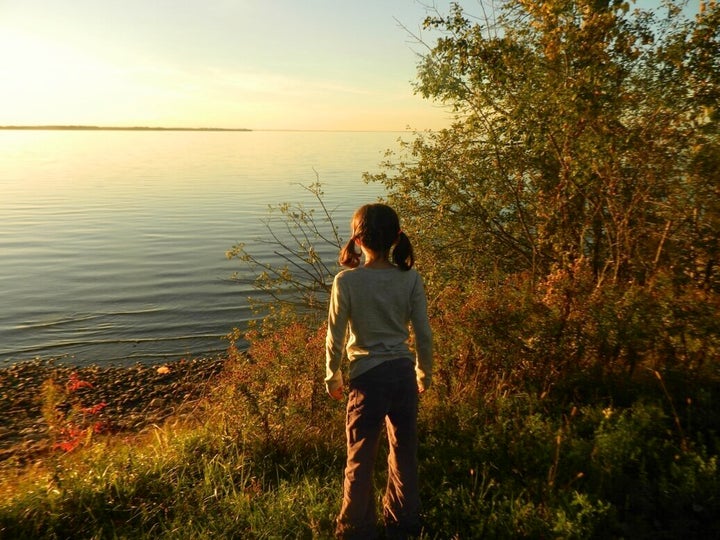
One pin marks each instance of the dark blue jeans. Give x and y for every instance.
(385, 395)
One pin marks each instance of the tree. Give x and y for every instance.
(574, 201)
(584, 131)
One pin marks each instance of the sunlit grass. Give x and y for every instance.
(173, 482)
(505, 466)
(262, 455)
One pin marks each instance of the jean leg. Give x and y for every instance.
(365, 414)
(401, 504)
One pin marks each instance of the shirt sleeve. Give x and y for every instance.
(338, 314)
(423, 336)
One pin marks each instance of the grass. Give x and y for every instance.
(263, 458)
(514, 466)
(174, 483)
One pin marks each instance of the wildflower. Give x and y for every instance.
(67, 446)
(75, 383)
(94, 409)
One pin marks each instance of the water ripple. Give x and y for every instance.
(113, 243)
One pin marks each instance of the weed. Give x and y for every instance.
(71, 423)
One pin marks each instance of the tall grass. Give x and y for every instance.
(265, 461)
(188, 483)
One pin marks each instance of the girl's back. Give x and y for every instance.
(381, 304)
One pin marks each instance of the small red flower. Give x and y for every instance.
(68, 446)
(94, 409)
(75, 383)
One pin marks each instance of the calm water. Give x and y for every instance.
(113, 243)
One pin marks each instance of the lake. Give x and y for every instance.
(113, 243)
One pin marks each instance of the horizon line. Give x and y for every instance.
(82, 127)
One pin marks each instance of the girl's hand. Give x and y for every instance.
(337, 394)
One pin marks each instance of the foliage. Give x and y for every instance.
(70, 420)
(584, 131)
(522, 467)
(580, 179)
(275, 382)
(301, 239)
(505, 331)
(175, 483)
(501, 464)
(277, 389)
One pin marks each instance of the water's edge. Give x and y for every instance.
(113, 242)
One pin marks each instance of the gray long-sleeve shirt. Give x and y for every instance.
(373, 309)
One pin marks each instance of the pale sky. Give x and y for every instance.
(257, 64)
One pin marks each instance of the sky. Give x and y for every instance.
(255, 64)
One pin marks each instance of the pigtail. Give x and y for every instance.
(349, 256)
(402, 253)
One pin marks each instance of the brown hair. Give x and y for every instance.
(378, 228)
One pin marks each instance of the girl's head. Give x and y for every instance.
(377, 228)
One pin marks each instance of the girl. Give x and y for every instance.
(372, 304)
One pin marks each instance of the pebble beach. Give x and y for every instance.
(115, 399)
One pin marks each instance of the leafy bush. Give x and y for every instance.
(275, 389)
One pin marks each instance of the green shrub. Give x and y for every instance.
(273, 395)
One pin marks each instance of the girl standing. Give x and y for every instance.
(372, 305)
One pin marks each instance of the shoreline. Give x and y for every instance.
(116, 128)
(135, 397)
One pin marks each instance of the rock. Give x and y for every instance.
(128, 392)
(157, 403)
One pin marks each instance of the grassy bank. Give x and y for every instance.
(262, 456)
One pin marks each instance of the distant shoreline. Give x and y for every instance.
(116, 128)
